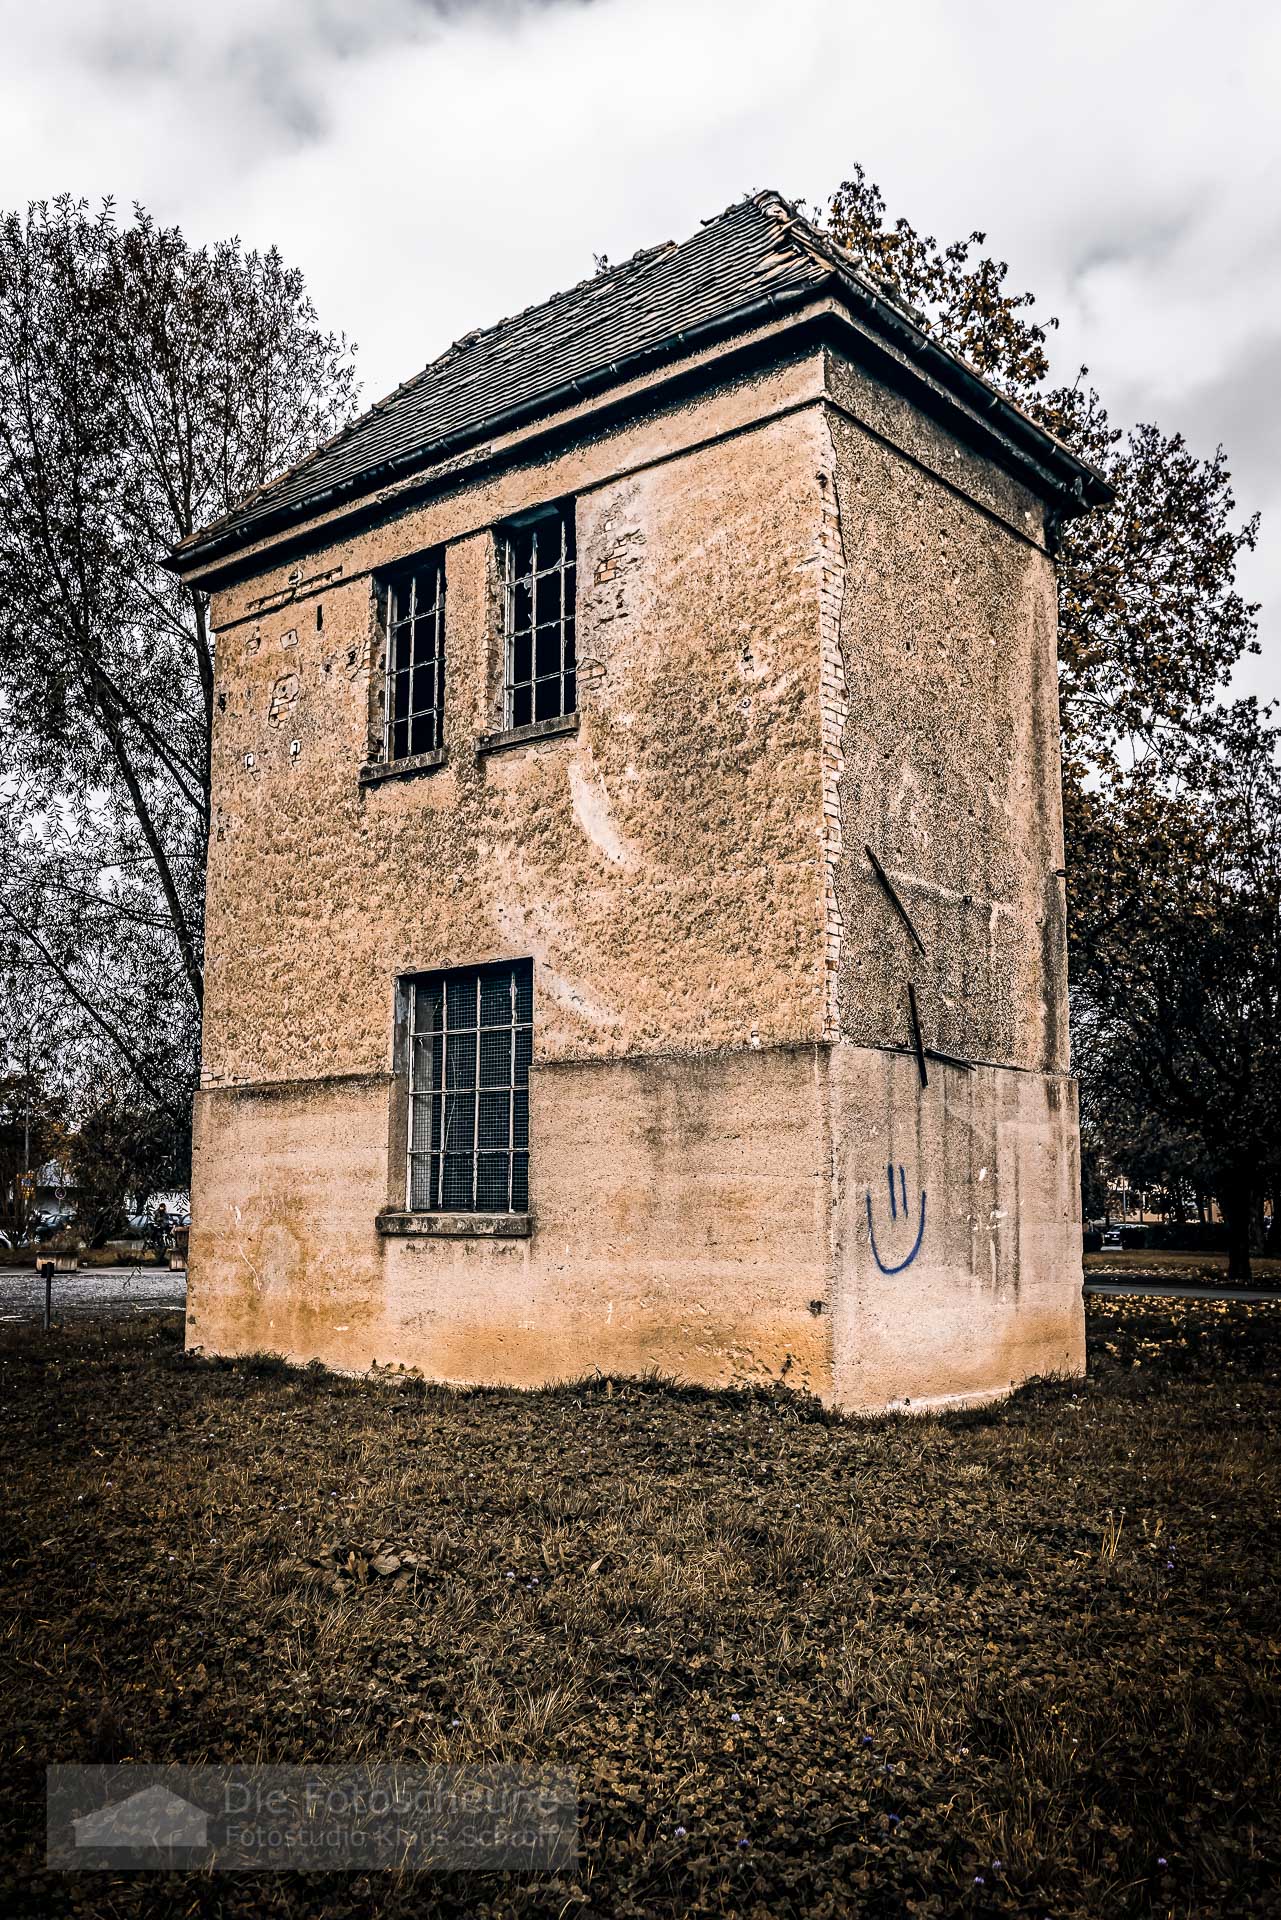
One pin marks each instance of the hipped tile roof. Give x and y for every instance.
(758, 254)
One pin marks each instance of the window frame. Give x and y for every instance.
(388, 582)
(438, 1092)
(561, 513)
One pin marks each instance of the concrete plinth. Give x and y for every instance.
(798, 1214)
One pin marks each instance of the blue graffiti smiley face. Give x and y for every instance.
(898, 1206)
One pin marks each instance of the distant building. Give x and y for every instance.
(54, 1195)
(635, 915)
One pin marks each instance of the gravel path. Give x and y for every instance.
(1164, 1290)
(95, 1290)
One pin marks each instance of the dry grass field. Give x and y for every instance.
(1017, 1661)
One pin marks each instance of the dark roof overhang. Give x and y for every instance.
(839, 308)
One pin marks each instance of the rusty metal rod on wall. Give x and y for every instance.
(916, 1035)
(899, 908)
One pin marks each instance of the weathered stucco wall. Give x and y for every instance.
(724, 1218)
(807, 620)
(682, 1224)
(949, 744)
(963, 1278)
(956, 1204)
(659, 866)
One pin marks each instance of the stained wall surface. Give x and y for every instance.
(682, 1225)
(807, 620)
(659, 866)
(957, 1244)
(956, 1230)
(949, 745)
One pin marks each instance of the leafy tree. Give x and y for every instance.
(32, 1098)
(120, 1152)
(1179, 1014)
(145, 387)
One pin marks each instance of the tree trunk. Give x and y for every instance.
(1237, 1211)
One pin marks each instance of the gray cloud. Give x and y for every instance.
(1237, 409)
(433, 164)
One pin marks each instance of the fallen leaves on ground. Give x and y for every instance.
(1021, 1660)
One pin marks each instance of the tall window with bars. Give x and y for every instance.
(414, 621)
(537, 560)
(471, 1038)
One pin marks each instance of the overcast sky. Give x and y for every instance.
(432, 167)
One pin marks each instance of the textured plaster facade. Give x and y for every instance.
(809, 620)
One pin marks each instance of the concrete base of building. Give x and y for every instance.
(807, 1215)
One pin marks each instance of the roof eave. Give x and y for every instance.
(1014, 438)
(217, 543)
(1009, 434)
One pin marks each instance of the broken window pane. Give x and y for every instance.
(522, 659)
(520, 553)
(399, 599)
(422, 695)
(414, 603)
(471, 1042)
(522, 607)
(424, 640)
(422, 733)
(547, 645)
(536, 686)
(548, 590)
(549, 543)
(429, 1013)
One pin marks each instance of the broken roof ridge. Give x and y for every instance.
(824, 247)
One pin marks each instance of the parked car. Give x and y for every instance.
(1112, 1241)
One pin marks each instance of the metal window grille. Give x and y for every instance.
(471, 1038)
(414, 612)
(538, 578)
